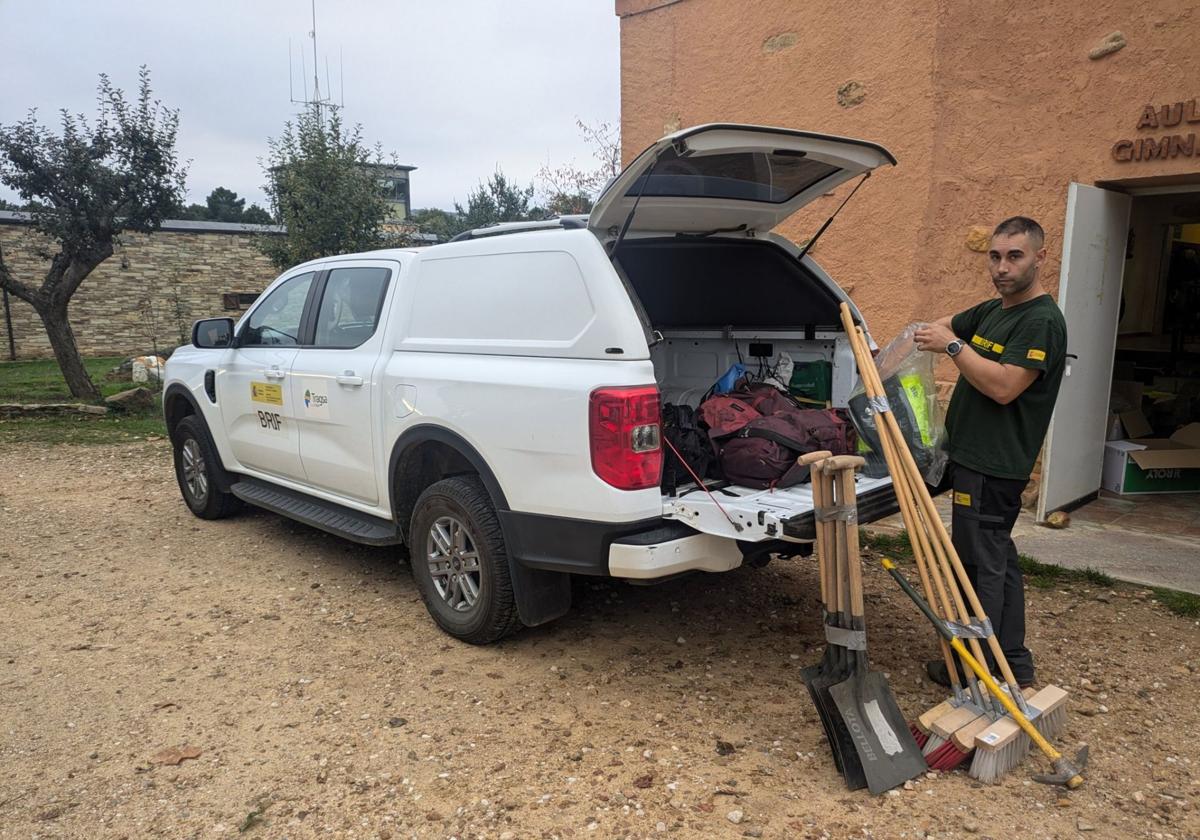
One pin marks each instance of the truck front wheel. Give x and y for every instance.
(459, 562)
(196, 465)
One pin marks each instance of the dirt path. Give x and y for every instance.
(323, 702)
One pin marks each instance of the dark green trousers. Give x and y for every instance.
(985, 510)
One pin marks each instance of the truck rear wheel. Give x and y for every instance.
(196, 466)
(460, 564)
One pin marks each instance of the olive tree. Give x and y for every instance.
(82, 187)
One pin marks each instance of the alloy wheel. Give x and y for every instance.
(195, 471)
(453, 563)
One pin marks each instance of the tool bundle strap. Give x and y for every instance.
(974, 629)
(879, 403)
(834, 513)
(844, 637)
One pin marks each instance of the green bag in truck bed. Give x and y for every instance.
(812, 382)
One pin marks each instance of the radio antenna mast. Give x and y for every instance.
(317, 102)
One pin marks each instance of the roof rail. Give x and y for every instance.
(502, 228)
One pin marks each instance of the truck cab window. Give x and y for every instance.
(276, 322)
(350, 306)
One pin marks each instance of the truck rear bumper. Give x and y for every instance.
(699, 552)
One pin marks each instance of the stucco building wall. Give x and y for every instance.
(991, 111)
(148, 293)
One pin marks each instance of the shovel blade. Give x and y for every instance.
(809, 675)
(883, 743)
(841, 742)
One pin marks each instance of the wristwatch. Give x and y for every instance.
(954, 348)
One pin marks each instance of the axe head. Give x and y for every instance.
(1067, 773)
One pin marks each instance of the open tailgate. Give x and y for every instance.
(785, 514)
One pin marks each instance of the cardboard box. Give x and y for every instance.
(1154, 465)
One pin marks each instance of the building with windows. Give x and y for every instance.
(393, 179)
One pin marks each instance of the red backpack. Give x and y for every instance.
(761, 433)
(725, 415)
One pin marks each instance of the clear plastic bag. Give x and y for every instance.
(908, 382)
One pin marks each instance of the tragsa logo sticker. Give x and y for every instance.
(316, 402)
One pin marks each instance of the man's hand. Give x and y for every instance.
(934, 337)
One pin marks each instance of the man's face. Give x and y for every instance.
(1014, 262)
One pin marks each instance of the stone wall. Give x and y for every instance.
(147, 294)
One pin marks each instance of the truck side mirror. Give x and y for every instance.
(213, 332)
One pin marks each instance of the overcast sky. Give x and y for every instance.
(453, 87)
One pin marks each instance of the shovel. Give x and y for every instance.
(833, 667)
(884, 745)
(824, 549)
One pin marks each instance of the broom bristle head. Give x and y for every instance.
(932, 744)
(918, 734)
(990, 766)
(949, 759)
(946, 758)
(1053, 723)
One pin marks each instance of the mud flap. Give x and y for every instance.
(541, 596)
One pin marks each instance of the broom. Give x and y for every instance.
(1003, 745)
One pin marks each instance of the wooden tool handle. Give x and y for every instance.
(812, 457)
(845, 462)
(908, 489)
(853, 563)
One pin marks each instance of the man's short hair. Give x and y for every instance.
(1022, 224)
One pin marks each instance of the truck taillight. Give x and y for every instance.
(625, 433)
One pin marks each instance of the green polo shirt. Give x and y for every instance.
(1004, 440)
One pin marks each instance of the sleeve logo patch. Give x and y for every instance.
(266, 393)
(986, 344)
(963, 499)
(1036, 355)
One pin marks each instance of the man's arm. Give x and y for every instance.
(1000, 382)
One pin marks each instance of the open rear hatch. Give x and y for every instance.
(719, 177)
(736, 180)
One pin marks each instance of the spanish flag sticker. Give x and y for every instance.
(266, 393)
(963, 499)
(1036, 355)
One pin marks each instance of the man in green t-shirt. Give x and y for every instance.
(1010, 353)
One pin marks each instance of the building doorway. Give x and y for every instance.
(1130, 291)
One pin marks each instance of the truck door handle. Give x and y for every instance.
(274, 372)
(348, 378)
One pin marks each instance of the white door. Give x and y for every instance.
(1089, 294)
(332, 381)
(256, 404)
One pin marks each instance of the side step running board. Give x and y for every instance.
(334, 518)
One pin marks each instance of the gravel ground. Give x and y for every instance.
(161, 676)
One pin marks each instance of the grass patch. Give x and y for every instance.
(81, 430)
(893, 546)
(1047, 576)
(1181, 603)
(898, 547)
(40, 380)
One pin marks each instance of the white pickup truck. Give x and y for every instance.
(493, 403)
